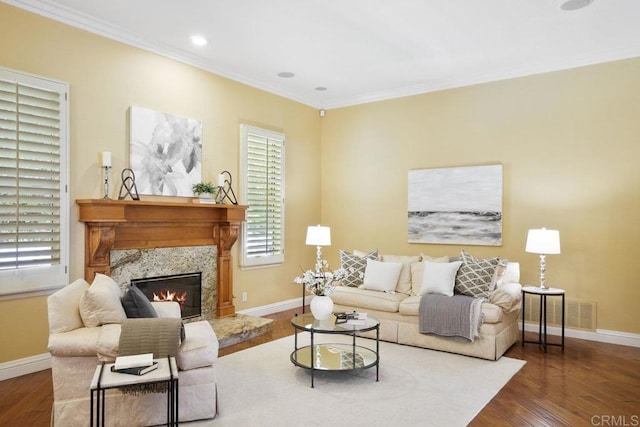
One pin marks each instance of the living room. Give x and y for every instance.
(567, 140)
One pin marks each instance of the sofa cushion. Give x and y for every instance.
(200, 348)
(404, 281)
(381, 276)
(79, 342)
(355, 266)
(439, 277)
(63, 307)
(507, 296)
(476, 276)
(367, 300)
(510, 274)
(136, 304)
(100, 304)
(411, 307)
(417, 270)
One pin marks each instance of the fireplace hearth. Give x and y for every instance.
(185, 289)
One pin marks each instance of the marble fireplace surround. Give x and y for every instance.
(128, 264)
(136, 224)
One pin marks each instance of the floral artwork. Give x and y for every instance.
(166, 152)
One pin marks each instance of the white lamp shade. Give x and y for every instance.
(318, 236)
(543, 241)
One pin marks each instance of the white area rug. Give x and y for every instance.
(261, 387)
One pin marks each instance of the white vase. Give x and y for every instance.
(321, 307)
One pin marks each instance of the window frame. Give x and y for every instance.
(266, 260)
(44, 280)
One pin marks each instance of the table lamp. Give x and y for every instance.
(318, 236)
(543, 242)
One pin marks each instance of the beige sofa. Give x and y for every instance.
(77, 349)
(397, 311)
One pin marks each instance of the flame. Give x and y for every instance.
(168, 295)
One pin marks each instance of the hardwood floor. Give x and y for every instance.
(589, 384)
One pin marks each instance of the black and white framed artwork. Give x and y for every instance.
(166, 152)
(458, 205)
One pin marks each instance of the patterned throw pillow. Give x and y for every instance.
(476, 276)
(355, 266)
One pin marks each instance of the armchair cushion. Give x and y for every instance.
(136, 304)
(64, 307)
(100, 304)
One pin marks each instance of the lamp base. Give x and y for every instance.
(543, 270)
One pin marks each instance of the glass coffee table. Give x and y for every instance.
(334, 356)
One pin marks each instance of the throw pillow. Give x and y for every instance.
(355, 266)
(381, 276)
(439, 277)
(476, 276)
(100, 304)
(404, 281)
(64, 307)
(136, 304)
(417, 269)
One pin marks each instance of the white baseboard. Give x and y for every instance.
(600, 335)
(24, 366)
(274, 308)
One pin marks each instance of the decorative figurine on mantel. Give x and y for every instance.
(128, 184)
(225, 190)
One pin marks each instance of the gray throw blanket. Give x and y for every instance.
(456, 316)
(160, 336)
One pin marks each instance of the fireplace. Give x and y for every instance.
(185, 289)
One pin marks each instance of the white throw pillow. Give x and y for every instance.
(64, 307)
(381, 276)
(100, 304)
(439, 277)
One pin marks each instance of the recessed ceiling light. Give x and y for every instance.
(321, 88)
(286, 74)
(199, 40)
(575, 4)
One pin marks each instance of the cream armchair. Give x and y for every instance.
(77, 349)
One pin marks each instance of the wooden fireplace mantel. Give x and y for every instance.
(136, 224)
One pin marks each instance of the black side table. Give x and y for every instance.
(542, 325)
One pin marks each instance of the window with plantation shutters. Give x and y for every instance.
(262, 176)
(33, 197)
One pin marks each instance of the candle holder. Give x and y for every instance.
(106, 182)
(225, 191)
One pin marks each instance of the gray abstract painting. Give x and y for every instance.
(166, 152)
(460, 205)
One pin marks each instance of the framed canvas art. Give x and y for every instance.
(165, 152)
(458, 205)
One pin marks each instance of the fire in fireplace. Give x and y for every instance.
(185, 289)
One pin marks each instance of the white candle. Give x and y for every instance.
(221, 180)
(106, 159)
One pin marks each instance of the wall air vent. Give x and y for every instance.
(579, 314)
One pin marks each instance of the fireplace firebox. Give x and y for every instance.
(185, 289)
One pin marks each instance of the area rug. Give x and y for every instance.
(261, 387)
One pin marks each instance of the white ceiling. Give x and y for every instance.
(363, 50)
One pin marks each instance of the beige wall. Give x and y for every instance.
(570, 145)
(105, 79)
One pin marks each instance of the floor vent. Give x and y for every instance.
(579, 314)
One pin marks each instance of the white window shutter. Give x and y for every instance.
(263, 191)
(33, 200)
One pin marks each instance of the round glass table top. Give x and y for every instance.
(307, 322)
